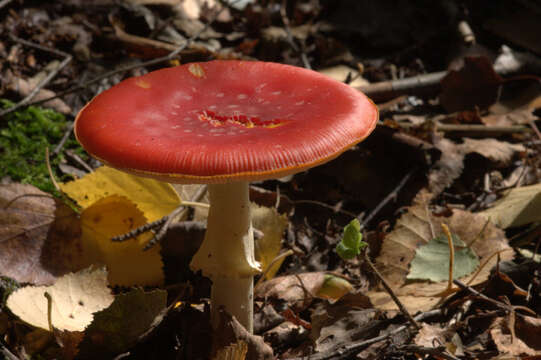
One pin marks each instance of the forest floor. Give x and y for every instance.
(445, 193)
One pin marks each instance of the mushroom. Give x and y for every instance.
(225, 123)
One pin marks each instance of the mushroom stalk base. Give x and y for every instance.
(236, 295)
(226, 255)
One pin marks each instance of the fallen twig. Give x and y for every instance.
(46, 79)
(3, 3)
(486, 130)
(388, 198)
(155, 61)
(160, 223)
(437, 352)
(346, 351)
(78, 160)
(468, 288)
(290, 40)
(425, 83)
(387, 287)
(65, 138)
(7, 354)
(161, 233)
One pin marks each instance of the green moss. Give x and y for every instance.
(24, 136)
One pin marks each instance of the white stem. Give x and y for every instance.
(236, 296)
(227, 252)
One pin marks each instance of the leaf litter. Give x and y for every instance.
(470, 142)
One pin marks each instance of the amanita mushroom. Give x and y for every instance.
(225, 123)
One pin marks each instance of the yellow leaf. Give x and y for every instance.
(235, 351)
(155, 198)
(126, 261)
(334, 288)
(268, 247)
(74, 299)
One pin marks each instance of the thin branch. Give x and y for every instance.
(143, 229)
(301, 49)
(3, 3)
(44, 81)
(436, 352)
(326, 206)
(161, 233)
(427, 83)
(155, 61)
(486, 130)
(4, 350)
(499, 304)
(78, 160)
(346, 351)
(387, 287)
(388, 198)
(65, 138)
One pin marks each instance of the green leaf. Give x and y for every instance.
(351, 244)
(431, 261)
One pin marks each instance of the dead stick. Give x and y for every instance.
(299, 49)
(388, 198)
(488, 129)
(346, 351)
(43, 82)
(391, 293)
(499, 304)
(3, 3)
(65, 138)
(436, 352)
(414, 85)
(155, 61)
(8, 354)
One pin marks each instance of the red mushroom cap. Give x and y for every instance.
(219, 121)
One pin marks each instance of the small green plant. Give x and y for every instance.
(24, 135)
(352, 241)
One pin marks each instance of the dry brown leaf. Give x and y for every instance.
(39, 236)
(516, 117)
(475, 85)
(528, 329)
(448, 168)
(25, 87)
(230, 331)
(339, 324)
(300, 289)
(506, 343)
(414, 229)
(495, 150)
(75, 298)
(434, 335)
(450, 165)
